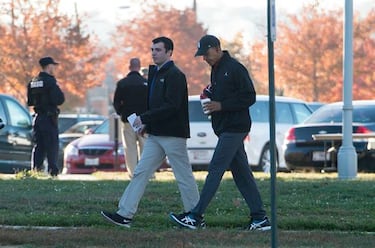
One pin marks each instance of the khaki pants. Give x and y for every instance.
(133, 145)
(155, 150)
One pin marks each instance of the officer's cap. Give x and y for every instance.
(46, 61)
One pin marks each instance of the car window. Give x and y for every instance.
(301, 111)
(65, 123)
(364, 114)
(283, 113)
(196, 113)
(102, 128)
(2, 113)
(80, 128)
(333, 113)
(259, 111)
(18, 116)
(326, 114)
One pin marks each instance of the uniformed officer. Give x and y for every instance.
(45, 95)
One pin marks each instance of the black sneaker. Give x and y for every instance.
(117, 219)
(188, 220)
(259, 225)
(54, 172)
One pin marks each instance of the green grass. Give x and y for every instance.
(313, 210)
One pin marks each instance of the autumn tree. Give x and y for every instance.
(253, 60)
(134, 39)
(364, 57)
(309, 56)
(37, 29)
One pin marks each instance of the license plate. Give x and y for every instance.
(319, 156)
(199, 155)
(91, 161)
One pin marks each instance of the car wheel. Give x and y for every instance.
(265, 160)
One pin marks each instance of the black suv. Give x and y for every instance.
(15, 135)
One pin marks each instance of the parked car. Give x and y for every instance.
(302, 152)
(94, 152)
(15, 136)
(74, 132)
(68, 120)
(289, 111)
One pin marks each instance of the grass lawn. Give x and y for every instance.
(313, 210)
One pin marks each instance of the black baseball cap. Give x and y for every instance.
(205, 43)
(46, 61)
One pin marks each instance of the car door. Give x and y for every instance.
(15, 137)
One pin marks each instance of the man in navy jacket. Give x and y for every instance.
(166, 122)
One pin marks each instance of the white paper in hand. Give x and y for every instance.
(131, 118)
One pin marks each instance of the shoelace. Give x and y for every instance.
(189, 220)
(256, 225)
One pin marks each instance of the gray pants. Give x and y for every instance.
(155, 149)
(230, 153)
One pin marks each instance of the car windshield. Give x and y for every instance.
(333, 114)
(102, 128)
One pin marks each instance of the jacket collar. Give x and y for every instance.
(225, 57)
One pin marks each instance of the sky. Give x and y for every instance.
(223, 18)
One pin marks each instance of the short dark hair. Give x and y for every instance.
(168, 43)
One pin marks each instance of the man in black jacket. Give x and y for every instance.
(231, 93)
(131, 97)
(166, 122)
(45, 95)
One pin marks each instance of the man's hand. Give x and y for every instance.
(212, 106)
(139, 126)
(142, 131)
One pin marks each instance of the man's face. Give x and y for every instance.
(159, 54)
(212, 56)
(50, 69)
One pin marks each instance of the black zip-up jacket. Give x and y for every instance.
(232, 86)
(167, 113)
(130, 95)
(44, 94)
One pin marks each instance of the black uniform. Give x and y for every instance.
(130, 95)
(45, 95)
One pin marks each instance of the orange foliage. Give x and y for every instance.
(37, 29)
(308, 50)
(134, 39)
(309, 56)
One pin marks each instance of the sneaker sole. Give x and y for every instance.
(114, 222)
(261, 229)
(174, 219)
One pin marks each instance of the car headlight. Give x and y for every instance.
(120, 150)
(70, 150)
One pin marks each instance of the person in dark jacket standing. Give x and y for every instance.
(131, 97)
(44, 94)
(166, 122)
(231, 93)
